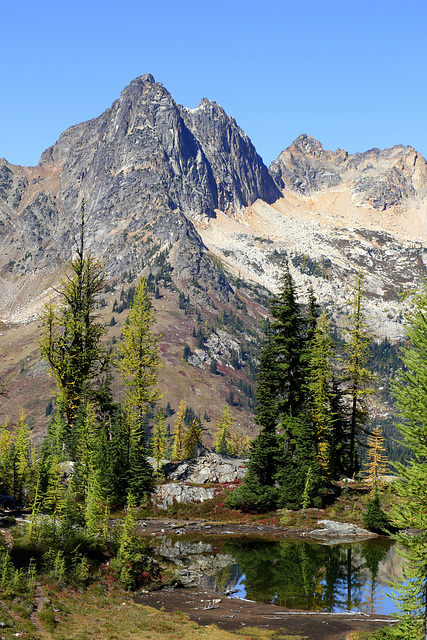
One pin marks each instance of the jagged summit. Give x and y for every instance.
(377, 178)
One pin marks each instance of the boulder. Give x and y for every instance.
(332, 529)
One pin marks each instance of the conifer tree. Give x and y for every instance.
(158, 444)
(376, 460)
(285, 448)
(138, 361)
(178, 434)
(223, 442)
(321, 392)
(356, 375)
(411, 395)
(6, 459)
(23, 459)
(192, 439)
(71, 342)
(138, 356)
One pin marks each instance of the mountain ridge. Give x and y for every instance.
(186, 188)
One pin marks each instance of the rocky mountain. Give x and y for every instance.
(182, 196)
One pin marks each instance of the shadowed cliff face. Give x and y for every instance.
(376, 179)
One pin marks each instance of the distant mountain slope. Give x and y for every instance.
(182, 196)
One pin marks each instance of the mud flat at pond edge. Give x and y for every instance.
(207, 607)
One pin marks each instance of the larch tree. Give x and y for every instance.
(223, 441)
(376, 462)
(411, 395)
(138, 357)
(72, 338)
(320, 384)
(138, 361)
(178, 434)
(357, 377)
(192, 441)
(158, 443)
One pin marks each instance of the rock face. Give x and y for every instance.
(190, 474)
(377, 179)
(210, 467)
(158, 177)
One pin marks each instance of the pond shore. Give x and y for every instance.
(208, 607)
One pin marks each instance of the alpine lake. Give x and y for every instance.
(301, 574)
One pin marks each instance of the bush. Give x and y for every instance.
(375, 519)
(253, 497)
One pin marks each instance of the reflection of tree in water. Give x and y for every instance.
(300, 575)
(373, 553)
(223, 578)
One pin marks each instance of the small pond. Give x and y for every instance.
(297, 574)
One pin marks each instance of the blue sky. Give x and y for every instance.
(352, 74)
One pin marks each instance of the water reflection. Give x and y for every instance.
(315, 577)
(292, 573)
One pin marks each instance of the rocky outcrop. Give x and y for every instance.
(210, 467)
(188, 477)
(165, 495)
(341, 530)
(377, 179)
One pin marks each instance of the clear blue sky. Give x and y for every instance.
(352, 74)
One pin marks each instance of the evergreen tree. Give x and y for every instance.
(223, 442)
(411, 395)
(356, 376)
(72, 339)
(287, 336)
(285, 449)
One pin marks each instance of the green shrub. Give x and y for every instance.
(375, 519)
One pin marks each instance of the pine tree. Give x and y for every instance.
(411, 395)
(356, 375)
(178, 434)
(223, 442)
(72, 339)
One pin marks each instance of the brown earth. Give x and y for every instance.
(207, 607)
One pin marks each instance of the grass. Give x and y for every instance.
(109, 613)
